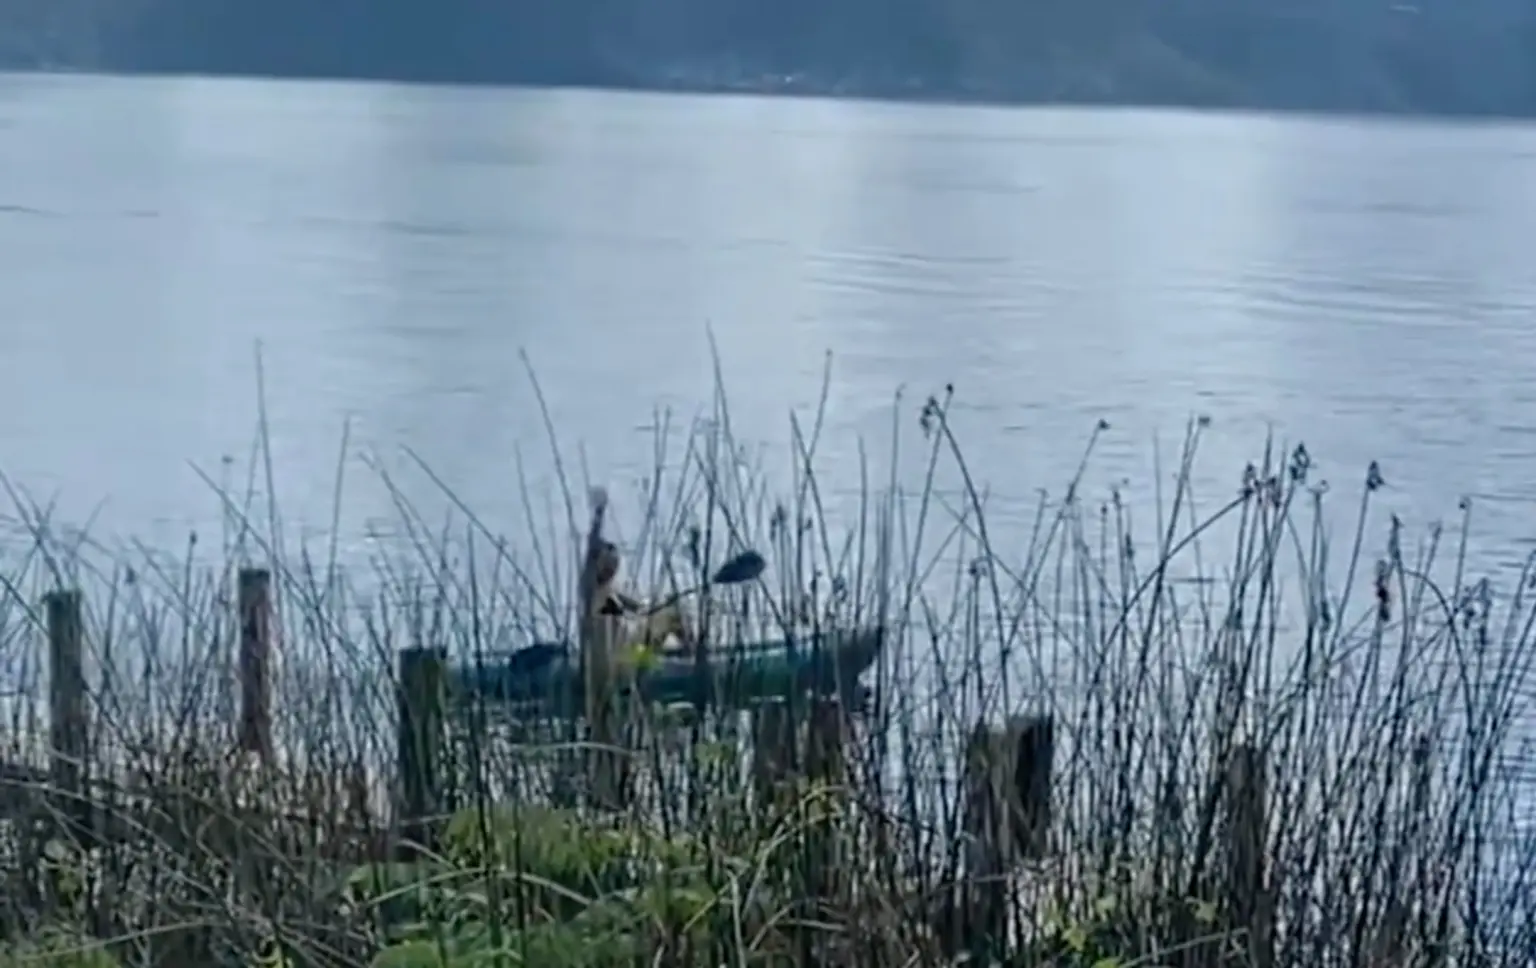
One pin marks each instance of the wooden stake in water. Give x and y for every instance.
(1247, 808)
(1007, 817)
(773, 738)
(254, 600)
(419, 706)
(69, 723)
(606, 779)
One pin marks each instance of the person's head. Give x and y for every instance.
(607, 563)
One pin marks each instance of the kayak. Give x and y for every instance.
(547, 675)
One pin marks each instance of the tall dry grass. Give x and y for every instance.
(1382, 687)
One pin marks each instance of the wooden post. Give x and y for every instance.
(774, 736)
(1434, 941)
(1033, 739)
(69, 725)
(1009, 777)
(254, 601)
(826, 741)
(984, 916)
(1007, 819)
(826, 766)
(606, 763)
(419, 702)
(772, 739)
(1390, 945)
(1246, 812)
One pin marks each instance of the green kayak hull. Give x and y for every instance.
(546, 678)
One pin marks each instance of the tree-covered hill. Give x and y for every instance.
(1452, 56)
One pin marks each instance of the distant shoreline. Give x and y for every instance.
(939, 97)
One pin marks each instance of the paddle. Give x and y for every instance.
(741, 569)
(745, 567)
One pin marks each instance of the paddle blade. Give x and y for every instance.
(745, 567)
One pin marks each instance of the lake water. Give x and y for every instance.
(1366, 287)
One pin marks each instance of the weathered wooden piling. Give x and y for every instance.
(69, 722)
(1034, 764)
(1395, 939)
(826, 741)
(1008, 780)
(1247, 808)
(254, 603)
(777, 753)
(607, 764)
(419, 738)
(773, 738)
(1007, 820)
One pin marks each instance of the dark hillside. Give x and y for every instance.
(1450, 56)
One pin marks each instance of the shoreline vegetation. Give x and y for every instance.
(1437, 57)
(1225, 736)
(896, 91)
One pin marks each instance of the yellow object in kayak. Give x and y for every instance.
(641, 657)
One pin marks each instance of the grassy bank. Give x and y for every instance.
(1274, 742)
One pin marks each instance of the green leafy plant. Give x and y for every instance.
(57, 948)
(538, 886)
(1120, 930)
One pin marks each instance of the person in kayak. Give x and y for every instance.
(665, 628)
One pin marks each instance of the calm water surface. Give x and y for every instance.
(1366, 287)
